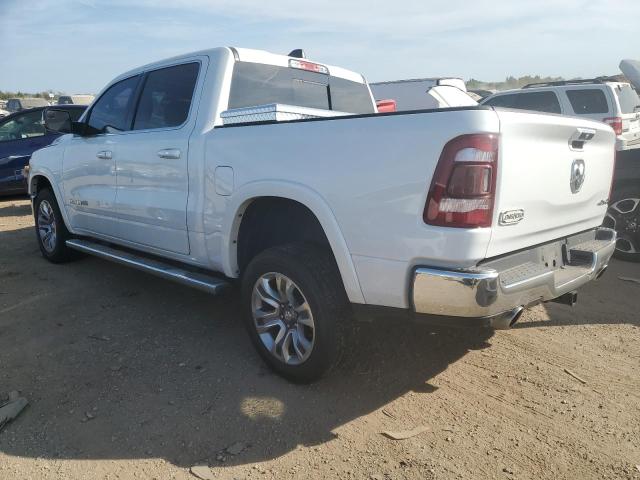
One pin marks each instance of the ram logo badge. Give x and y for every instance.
(577, 175)
(511, 217)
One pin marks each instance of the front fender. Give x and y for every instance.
(47, 163)
(311, 199)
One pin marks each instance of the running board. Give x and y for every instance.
(201, 281)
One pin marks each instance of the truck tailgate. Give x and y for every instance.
(554, 177)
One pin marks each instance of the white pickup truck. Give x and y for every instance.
(462, 216)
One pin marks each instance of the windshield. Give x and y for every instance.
(629, 99)
(259, 84)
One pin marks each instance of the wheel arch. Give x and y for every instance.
(40, 180)
(247, 195)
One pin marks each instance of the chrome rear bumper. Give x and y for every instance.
(500, 287)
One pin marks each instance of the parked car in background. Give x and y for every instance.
(4, 113)
(618, 105)
(182, 168)
(423, 93)
(75, 99)
(17, 104)
(615, 103)
(21, 134)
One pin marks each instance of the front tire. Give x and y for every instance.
(296, 310)
(623, 216)
(51, 232)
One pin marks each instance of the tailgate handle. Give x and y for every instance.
(580, 137)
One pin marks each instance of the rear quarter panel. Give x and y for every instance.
(372, 173)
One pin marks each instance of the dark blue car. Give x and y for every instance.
(21, 134)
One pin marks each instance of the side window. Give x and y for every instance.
(13, 105)
(111, 111)
(166, 97)
(22, 126)
(508, 101)
(588, 100)
(539, 101)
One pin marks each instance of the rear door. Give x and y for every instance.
(554, 176)
(152, 165)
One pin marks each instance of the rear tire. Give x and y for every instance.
(296, 310)
(623, 216)
(51, 232)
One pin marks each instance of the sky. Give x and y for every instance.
(78, 46)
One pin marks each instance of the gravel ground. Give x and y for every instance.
(130, 376)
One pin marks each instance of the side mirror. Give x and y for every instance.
(60, 121)
(57, 120)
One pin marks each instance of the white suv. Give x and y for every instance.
(615, 103)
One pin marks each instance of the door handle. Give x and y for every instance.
(580, 137)
(171, 153)
(104, 155)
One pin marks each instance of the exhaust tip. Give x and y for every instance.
(507, 319)
(518, 313)
(601, 272)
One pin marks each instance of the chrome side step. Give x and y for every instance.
(201, 281)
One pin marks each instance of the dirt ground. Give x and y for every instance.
(130, 376)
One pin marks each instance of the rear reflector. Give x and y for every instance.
(463, 188)
(309, 66)
(615, 123)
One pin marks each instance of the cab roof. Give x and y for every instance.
(245, 55)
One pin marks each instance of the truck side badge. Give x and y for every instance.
(511, 217)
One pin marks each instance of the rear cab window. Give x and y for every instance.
(255, 84)
(585, 101)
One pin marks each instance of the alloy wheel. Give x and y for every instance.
(624, 217)
(283, 318)
(47, 226)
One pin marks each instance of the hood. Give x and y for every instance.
(631, 70)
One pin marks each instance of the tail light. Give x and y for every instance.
(385, 106)
(463, 188)
(615, 123)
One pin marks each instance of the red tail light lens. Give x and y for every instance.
(615, 123)
(385, 106)
(463, 188)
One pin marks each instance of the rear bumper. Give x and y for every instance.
(501, 287)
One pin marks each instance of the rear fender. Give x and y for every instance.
(243, 197)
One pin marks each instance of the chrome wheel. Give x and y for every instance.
(624, 217)
(47, 226)
(283, 319)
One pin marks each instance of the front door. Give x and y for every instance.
(152, 169)
(89, 164)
